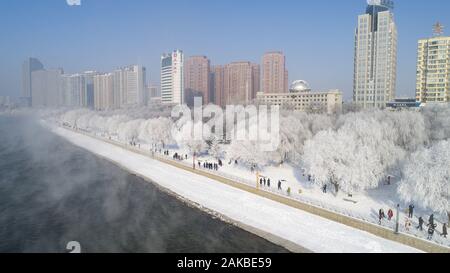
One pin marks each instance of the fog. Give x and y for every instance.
(53, 192)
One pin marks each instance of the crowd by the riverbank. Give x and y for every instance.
(406, 218)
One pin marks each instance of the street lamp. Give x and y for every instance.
(397, 219)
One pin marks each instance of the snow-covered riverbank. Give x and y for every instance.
(304, 229)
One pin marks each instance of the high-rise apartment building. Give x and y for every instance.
(235, 83)
(433, 69)
(238, 83)
(129, 86)
(28, 67)
(274, 73)
(217, 73)
(73, 90)
(197, 79)
(256, 79)
(87, 98)
(104, 92)
(46, 86)
(172, 78)
(153, 94)
(375, 60)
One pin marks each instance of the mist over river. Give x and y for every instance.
(52, 192)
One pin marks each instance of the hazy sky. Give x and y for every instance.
(316, 36)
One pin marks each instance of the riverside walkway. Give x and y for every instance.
(251, 187)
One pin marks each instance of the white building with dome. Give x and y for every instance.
(301, 98)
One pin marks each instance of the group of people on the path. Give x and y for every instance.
(134, 144)
(210, 166)
(264, 181)
(408, 222)
(382, 215)
(180, 157)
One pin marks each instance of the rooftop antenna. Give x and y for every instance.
(438, 29)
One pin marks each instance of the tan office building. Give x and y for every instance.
(300, 98)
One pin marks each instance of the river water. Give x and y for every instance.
(52, 192)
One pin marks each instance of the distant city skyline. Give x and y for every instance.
(89, 37)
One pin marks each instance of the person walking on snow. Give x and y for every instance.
(431, 220)
(420, 226)
(279, 185)
(411, 211)
(431, 231)
(444, 230)
(390, 214)
(324, 188)
(407, 224)
(380, 215)
(268, 182)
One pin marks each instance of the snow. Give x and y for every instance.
(307, 230)
(363, 206)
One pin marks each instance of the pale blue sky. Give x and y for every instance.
(316, 36)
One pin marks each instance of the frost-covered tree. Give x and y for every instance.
(437, 121)
(130, 130)
(320, 122)
(248, 153)
(354, 158)
(292, 137)
(156, 131)
(113, 123)
(185, 137)
(214, 147)
(426, 178)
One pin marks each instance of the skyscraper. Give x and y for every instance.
(197, 79)
(375, 60)
(274, 73)
(28, 67)
(433, 68)
(172, 78)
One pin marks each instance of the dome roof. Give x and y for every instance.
(299, 86)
